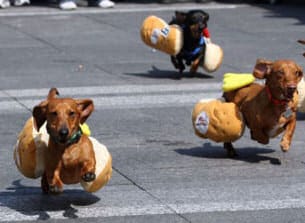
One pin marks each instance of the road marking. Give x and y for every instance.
(116, 97)
(119, 9)
(114, 89)
(7, 214)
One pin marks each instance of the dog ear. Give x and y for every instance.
(300, 72)
(53, 92)
(262, 68)
(180, 17)
(39, 114)
(85, 107)
(301, 41)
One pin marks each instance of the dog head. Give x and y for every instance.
(282, 77)
(195, 20)
(63, 115)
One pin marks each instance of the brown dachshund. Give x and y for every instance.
(269, 109)
(302, 42)
(70, 155)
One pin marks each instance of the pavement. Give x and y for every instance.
(162, 172)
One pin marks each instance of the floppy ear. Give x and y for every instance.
(39, 114)
(300, 72)
(85, 107)
(262, 68)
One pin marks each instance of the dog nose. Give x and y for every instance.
(290, 91)
(63, 132)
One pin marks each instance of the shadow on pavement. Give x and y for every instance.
(251, 155)
(31, 202)
(169, 74)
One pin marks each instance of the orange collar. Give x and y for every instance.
(274, 100)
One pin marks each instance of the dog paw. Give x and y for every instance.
(285, 146)
(232, 153)
(53, 189)
(45, 188)
(87, 177)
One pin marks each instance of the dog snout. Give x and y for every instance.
(63, 133)
(290, 91)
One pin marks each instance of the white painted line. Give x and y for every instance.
(116, 97)
(90, 212)
(7, 214)
(131, 8)
(113, 90)
(121, 102)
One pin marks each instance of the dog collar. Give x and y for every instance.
(75, 137)
(274, 100)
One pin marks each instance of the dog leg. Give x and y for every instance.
(44, 184)
(54, 182)
(88, 172)
(194, 66)
(287, 137)
(55, 187)
(259, 136)
(230, 149)
(177, 61)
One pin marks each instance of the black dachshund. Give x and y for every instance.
(195, 36)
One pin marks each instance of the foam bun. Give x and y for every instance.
(29, 150)
(301, 100)
(213, 57)
(157, 34)
(217, 120)
(103, 167)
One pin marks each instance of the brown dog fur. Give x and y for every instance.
(67, 159)
(269, 114)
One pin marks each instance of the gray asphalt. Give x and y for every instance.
(162, 171)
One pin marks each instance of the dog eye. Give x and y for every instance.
(72, 113)
(53, 114)
(298, 74)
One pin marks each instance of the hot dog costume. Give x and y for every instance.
(301, 91)
(158, 34)
(218, 120)
(29, 155)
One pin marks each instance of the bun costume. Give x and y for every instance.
(159, 35)
(301, 101)
(218, 120)
(31, 145)
(197, 49)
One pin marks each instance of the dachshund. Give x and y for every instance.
(269, 109)
(69, 157)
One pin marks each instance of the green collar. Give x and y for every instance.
(75, 137)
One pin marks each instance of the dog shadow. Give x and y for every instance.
(169, 74)
(30, 201)
(250, 155)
